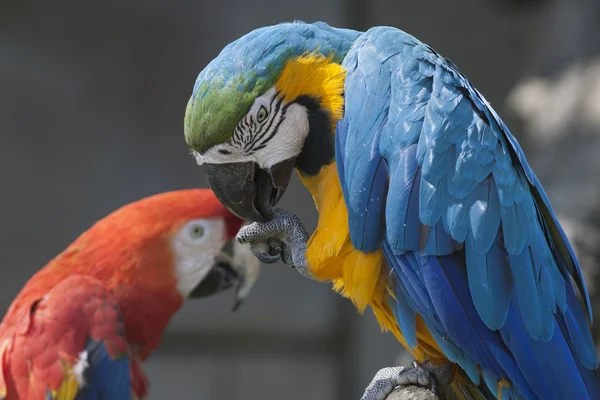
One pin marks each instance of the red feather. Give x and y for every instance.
(115, 283)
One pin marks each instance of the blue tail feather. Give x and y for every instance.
(446, 277)
(490, 283)
(537, 315)
(455, 309)
(458, 356)
(575, 328)
(406, 317)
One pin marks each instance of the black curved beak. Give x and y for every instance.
(247, 190)
(223, 275)
(220, 277)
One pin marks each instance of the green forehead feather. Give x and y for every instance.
(226, 89)
(212, 114)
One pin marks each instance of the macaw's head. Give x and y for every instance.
(268, 103)
(179, 241)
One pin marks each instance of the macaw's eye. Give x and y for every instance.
(196, 231)
(262, 114)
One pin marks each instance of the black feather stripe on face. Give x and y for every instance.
(263, 144)
(272, 117)
(319, 146)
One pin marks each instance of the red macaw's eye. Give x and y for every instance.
(197, 231)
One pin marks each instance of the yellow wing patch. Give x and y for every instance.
(318, 76)
(70, 385)
(3, 349)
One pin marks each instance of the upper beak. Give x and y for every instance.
(247, 190)
(235, 267)
(221, 277)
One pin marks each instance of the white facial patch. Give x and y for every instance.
(247, 265)
(271, 132)
(195, 247)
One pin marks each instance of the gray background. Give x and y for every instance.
(92, 97)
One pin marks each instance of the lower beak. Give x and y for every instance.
(221, 277)
(235, 267)
(247, 190)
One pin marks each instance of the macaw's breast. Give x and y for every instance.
(361, 277)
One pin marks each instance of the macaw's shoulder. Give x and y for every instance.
(71, 344)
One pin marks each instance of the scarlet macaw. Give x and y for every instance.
(82, 325)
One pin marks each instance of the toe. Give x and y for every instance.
(275, 245)
(251, 233)
(382, 384)
(423, 380)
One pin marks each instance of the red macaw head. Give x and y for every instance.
(185, 236)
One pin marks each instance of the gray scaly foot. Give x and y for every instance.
(428, 375)
(282, 236)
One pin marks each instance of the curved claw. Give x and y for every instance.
(268, 258)
(265, 253)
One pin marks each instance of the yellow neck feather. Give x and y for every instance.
(317, 76)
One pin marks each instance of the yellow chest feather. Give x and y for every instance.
(356, 275)
(330, 254)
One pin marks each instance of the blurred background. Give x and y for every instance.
(92, 98)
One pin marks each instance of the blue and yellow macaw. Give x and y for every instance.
(428, 210)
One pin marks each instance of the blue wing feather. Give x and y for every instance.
(438, 241)
(469, 233)
(558, 237)
(404, 229)
(537, 315)
(367, 220)
(105, 377)
(490, 283)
